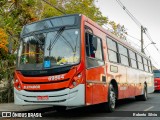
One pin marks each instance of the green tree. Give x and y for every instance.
(114, 26)
(14, 14)
(86, 7)
(3, 44)
(118, 30)
(49, 11)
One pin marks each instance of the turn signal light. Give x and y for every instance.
(16, 81)
(17, 84)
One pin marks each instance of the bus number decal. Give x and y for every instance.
(57, 77)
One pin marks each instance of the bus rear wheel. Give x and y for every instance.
(144, 96)
(110, 105)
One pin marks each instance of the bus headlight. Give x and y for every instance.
(76, 80)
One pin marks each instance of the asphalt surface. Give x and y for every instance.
(124, 108)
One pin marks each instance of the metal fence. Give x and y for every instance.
(6, 81)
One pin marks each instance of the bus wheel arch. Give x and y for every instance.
(144, 96)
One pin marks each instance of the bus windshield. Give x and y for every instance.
(156, 74)
(51, 49)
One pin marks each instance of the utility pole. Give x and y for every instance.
(142, 41)
(143, 30)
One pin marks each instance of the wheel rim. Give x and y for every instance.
(112, 97)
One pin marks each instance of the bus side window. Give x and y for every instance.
(112, 50)
(145, 62)
(87, 44)
(123, 52)
(90, 45)
(133, 59)
(140, 62)
(93, 50)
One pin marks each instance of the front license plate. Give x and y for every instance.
(41, 98)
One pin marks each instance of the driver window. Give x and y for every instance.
(93, 50)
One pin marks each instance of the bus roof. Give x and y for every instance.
(52, 18)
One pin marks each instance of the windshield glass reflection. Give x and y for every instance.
(49, 50)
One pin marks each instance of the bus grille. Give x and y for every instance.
(45, 101)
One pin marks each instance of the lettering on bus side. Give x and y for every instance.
(32, 87)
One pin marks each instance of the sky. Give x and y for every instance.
(146, 12)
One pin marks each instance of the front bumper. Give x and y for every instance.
(66, 97)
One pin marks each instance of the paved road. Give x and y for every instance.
(94, 112)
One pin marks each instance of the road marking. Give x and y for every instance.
(149, 108)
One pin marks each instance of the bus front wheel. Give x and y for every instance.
(110, 105)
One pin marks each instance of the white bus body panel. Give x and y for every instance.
(66, 97)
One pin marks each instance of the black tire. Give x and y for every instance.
(110, 105)
(60, 108)
(144, 96)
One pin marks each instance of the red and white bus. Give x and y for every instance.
(71, 61)
(157, 79)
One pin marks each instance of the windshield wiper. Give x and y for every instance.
(59, 32)
(67, 42)
(57, 36)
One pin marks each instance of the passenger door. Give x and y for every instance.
(95, 70)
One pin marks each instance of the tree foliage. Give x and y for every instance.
(16, 13)
(86, 7)
(49, 11)
(3, 43)
(118, 30)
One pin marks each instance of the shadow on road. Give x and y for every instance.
(157, 91)
(89, 111)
